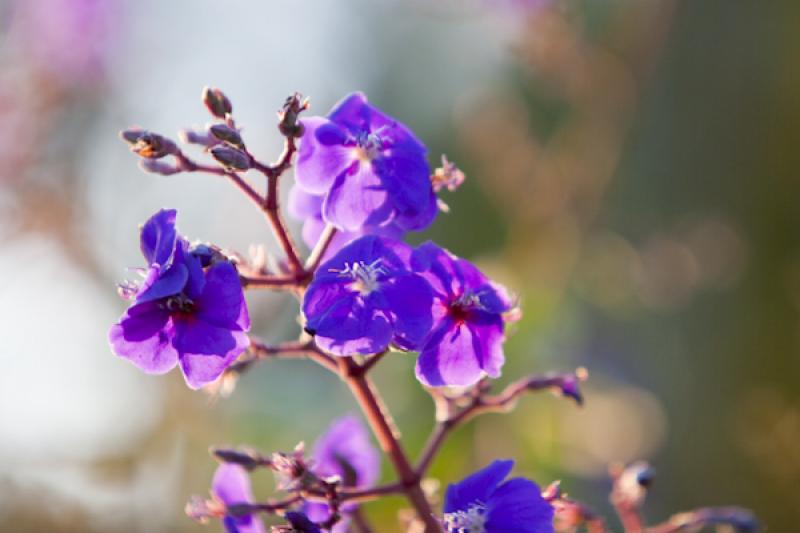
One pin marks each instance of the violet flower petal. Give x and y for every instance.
(158, 237)
(476, 487)
(459, 353)
(205, 351)
(321, 155)
(517, 506)
(346, 450)
(356, 198)
(222, 302)
(144, 336)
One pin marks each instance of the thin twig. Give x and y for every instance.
(273, 282)
(379, 420)
(188, 165)
(290, 350)
(318, 253)
(740, 519)
(564, 384)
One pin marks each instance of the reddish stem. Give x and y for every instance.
(379, 420)
(498, 403)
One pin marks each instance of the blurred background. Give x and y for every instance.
(631, 175)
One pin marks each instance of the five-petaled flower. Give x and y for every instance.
(365, 298)
(483, 503)
(190, 309)
(466, 339)
(369, 169)
(231, 487)
(344, 450)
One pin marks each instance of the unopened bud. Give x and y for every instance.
(200, 138)
(153, 146)
(288, 116)
(217, 103)
(131, 135)
(231, 158)
(156, 166)
(245, 458)
(225, 133)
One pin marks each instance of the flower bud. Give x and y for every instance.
(131, 135)
(188, 136)
(153, 145)
(225, 133)
(245, 458)
(289, 114)
(216, 102)
(231, 158)
(158, 167)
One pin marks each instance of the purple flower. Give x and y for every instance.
(188, 310)
(344, 450)
(231, 486)
(307, 207)
(483, 503)
(300, 523)
(67, 38)
(466, 339)
(365, 297)
(369, 169)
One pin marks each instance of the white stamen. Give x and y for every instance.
(365, 276)
(473, 520)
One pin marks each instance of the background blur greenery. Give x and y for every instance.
(631, 175)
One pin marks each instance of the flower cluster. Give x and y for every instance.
(362, 183)
(377, 291)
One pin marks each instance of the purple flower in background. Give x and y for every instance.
(188, 310)
(466, 340)
(483, 503)
(231, 486)
(67, 38)
(344, 450)
(300, 523)
(365, 297)
(307, 207)
(369, 169)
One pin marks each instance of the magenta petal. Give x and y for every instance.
(517, 506)
(346, 450)
(410, 299)
(206, 351)
(353, 329)
(222, 301)
(162, 285)
(318, 163)
(477, 487)
(144, 337)
(459, 354)
(231, 484)
(303, 205)
(158, 236)
(355, 198)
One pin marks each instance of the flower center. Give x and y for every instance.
(180, 303)
(461, 307)
(364, 275)
(369, 144)
(473, 520)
